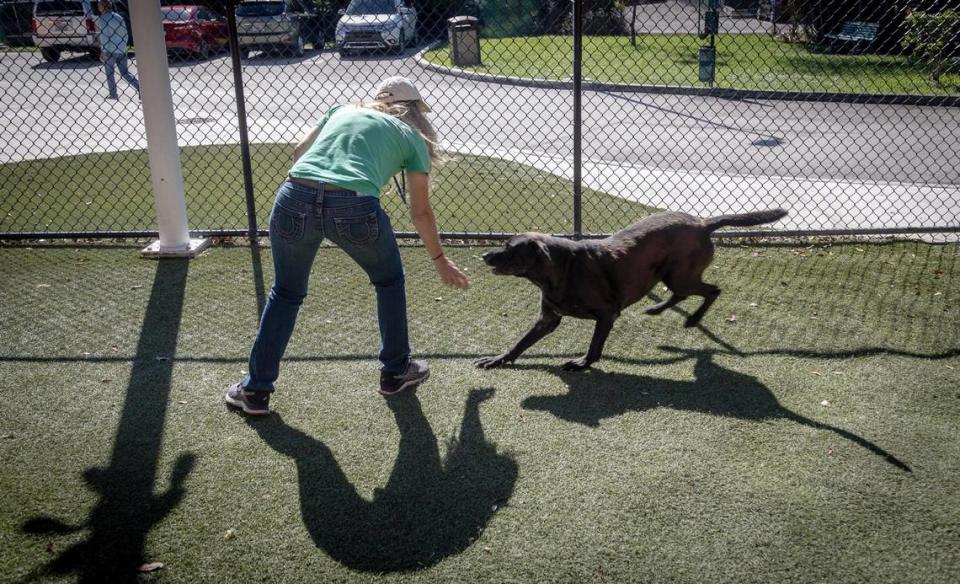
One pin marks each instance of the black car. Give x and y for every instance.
(15, 22)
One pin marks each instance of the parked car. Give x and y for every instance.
(64, 25)
(15, 22)
(376, 25)
(69, 25)
(195, 29)
(278, 26)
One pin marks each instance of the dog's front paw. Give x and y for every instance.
(490, 362)
(576, 364)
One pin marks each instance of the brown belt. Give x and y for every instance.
(316, 185)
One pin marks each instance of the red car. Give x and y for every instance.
(196, 29)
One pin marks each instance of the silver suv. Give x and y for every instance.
(278, 25)
(377, 25)
(64, 25)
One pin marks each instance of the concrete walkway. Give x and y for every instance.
(868, 205)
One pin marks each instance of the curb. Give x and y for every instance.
(722, 93)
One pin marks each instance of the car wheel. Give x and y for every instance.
(95, 54)
(318, 41)
(50, 55)
(203, 51)
(298, 48)
(244, 53)
(403, 42)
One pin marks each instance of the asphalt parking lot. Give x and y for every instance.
(694, 152)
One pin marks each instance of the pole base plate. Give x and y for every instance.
(190, 250)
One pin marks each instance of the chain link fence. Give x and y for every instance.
(570, 118)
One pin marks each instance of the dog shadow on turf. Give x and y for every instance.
(429, 509)
(718, 391)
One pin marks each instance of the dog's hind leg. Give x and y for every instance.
(661, 306)
(709, 293)
(684, 284)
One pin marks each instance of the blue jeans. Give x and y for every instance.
(120, 60)
(302, 216)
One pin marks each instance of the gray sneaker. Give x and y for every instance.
(253, 403)
(416, 373)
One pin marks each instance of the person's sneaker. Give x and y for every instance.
(416, 373)
(254, 403)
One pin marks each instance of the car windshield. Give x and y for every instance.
(260, 9)
(358, 7)
(175, 14)
(60, 7)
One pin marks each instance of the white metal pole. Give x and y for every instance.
(158, 118)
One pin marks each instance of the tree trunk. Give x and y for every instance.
(936, 70)
(633, 25)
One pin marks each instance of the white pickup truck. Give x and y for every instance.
(64, 25)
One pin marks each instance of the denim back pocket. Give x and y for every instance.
(287, 223)
(359, 230)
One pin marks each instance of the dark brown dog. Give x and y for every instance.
(598, 279)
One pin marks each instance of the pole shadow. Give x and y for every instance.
(429, 509)
(257, 265)
(779, 140)
(594, 396)
(128, 507)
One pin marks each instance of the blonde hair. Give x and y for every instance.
(409, 112)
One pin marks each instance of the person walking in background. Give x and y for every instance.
(113, 47)
(333, 191)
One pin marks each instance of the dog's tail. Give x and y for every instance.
(744, 219)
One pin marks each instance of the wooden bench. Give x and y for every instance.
(854, 37)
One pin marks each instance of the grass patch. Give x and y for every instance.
(744, 61)
(112, 192)
(686, 455)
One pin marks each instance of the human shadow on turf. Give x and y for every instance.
(128, 508)
(258, 285)
(595, 395)
(429, 509)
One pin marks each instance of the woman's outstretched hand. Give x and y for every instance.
(450, 273)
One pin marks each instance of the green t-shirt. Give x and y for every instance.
(360, 149)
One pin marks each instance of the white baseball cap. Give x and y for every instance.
(394, 89)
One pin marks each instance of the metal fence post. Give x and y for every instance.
(242, 122)
(577, 122)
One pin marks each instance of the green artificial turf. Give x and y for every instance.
(744, 61)
(112, 192)
(807, 432)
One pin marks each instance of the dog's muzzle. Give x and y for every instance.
(488, 257)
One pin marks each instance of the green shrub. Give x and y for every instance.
(929, 36)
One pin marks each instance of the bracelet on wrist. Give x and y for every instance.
(440, 255)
